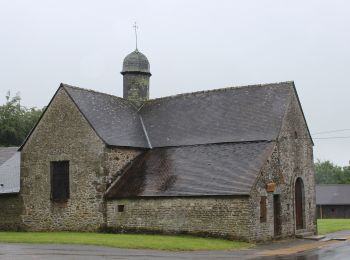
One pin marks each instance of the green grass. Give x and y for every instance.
(332, 225)
(160, 242)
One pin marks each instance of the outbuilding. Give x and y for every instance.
(333, 200)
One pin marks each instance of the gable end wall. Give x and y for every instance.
(63, 134)
(296, 156)
(292, 157)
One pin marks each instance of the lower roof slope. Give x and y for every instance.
(202, 170)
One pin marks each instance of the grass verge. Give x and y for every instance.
(332, 225)
(136, 241)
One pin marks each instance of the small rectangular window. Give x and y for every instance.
(60, 181)
(263, 209)
(120, 208)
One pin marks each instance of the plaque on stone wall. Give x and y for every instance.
(270, 187)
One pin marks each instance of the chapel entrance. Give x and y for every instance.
(299, 203)
(277, 214)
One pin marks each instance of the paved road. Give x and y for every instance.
(332, 251)
(337, 251)
(68, 252)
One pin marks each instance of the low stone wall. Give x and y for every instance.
(10, 213)
(220, 216)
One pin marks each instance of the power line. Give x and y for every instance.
(331, 131)
(332, 137)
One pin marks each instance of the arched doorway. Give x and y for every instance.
(299, 203)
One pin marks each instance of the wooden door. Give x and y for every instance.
(299, 199)
(277, 214)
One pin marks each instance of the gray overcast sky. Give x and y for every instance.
(191, 45)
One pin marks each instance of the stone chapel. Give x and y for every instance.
(233, 162)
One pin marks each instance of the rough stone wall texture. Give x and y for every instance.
(296, 158)
(269, 173)
(64, 134)
(291, 158)
(136, 87)
(217, 216)
(116, 159)
(11, 210)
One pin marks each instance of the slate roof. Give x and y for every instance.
(9, 170)
(225, 115)
(203, 143)
(114, 119)
(136, 62)
(333, 194)
(236, 114)
(202, 170)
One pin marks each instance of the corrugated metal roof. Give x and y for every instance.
(333, 194)
(202, 170)
(10, 171)
(6, 153)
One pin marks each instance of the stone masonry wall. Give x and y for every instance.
(262, 231)
(291, 158)
(10, 213)
(217, 216)
(64, 134)
(296, 157)
(116, 159)
(136, 88)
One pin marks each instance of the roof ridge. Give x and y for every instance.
(219, 90)
(91, 90)
(98, 92)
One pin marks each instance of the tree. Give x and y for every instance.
(16, 121)
(329, 173)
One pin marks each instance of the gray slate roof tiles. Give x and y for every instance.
(225, 115)
(202, 170)
(203, 143)
(136, 62)
(114, 119)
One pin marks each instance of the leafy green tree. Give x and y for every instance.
(16, 121)
(329, 173)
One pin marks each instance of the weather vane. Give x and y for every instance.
(135, 28)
